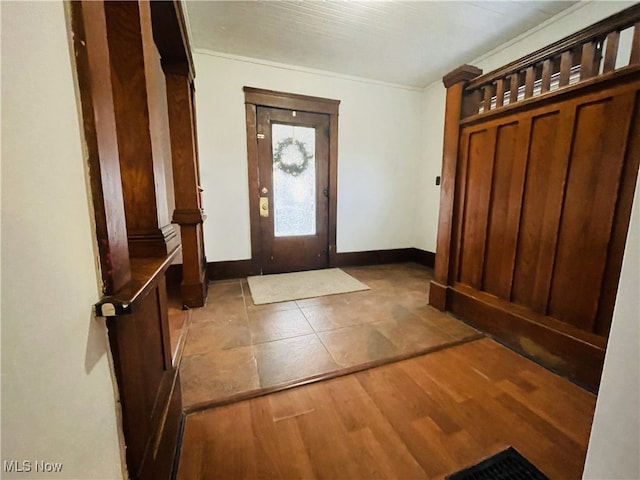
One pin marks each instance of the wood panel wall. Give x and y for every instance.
(539, 220)
(538, 196)
(148, 381)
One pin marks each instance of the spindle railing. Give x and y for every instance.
(592, 52)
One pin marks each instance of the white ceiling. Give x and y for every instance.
(401, 42)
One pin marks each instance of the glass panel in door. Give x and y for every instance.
(294, 180)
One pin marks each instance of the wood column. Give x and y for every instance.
(454, 82)
(188, 212)
(96, 99)
(135, 80)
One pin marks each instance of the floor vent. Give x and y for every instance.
(506, 465)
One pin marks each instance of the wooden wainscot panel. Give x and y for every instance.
(534, 219)
(611, 275)
(504, 209)
(147, 378)
(601, 132)
(479, 172)
(164, 448)
(544, 186)
(560, 189)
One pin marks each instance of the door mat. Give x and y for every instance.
(506, 465)
(284, 287)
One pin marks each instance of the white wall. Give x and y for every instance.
(57, 392)
(430, 166)
(614, 446)
(378, 153)
(390, 143)
(433, 101)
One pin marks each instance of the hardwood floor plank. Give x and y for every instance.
(439, 445)
(279, 442)
(369, 455)
(437, 375)
(398, 398)
(561, 445)
(265, 439)
(229, 442)
(325, 440)
(425, 417)
(559, 408)
(359, 413)
(195, 436)
(289, 404)
(234, 444)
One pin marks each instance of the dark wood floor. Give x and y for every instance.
(425, 417)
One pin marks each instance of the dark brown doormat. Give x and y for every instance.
(506, 465)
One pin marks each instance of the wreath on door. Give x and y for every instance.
(294, 168)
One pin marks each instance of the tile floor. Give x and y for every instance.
(234, 348)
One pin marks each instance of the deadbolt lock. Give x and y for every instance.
(264, 206)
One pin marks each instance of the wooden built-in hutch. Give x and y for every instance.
(135, 76)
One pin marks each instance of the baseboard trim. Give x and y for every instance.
(192, 294)
(174, 275)
(578, 356)
(438, 296)
(380, 257)
(230, 269)
(424, 257)
(373, 257)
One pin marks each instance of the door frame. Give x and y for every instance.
(255, 97)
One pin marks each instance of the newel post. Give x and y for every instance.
(186, 177)
(172, 41)
(454, 82)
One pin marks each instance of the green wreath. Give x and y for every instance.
(294, 169)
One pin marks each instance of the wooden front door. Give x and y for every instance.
(293, 183)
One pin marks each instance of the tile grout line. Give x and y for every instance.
(319, 337)
(252, 345)
(300, 308)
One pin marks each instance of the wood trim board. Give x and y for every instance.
(254, 98)
(230, 269)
